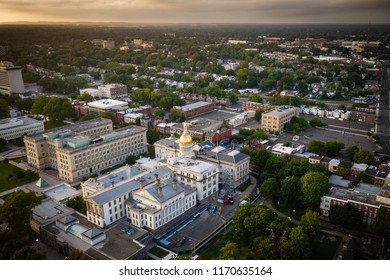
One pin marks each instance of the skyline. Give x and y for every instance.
(201, 11)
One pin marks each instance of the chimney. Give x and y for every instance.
(174, 184)
(156, 180)
(159, 189)
(141, 184)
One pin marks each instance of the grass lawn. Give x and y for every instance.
(19, 160)
(158, 252)
(326, 247)
(289, 212)
(12, 176)
(4, 149)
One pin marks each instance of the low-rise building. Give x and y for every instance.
(107, 105)
(195, 109)
(14, 128)
(280, 150)
(249, 105)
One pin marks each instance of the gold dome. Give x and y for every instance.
(185, 139)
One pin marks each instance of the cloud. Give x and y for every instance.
(261, 11)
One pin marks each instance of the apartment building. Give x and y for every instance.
(82, 149)
(14, 128)
(249, 105)
(274, 121)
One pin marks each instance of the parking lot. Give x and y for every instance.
(324, 135)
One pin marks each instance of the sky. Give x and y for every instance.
(197, 11)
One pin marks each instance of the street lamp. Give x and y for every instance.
(37, 242)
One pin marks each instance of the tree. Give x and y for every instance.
(364, 156)
(311, 225)
(4, 109)
(297, 124)
(316, 122)
(295, 167)
(351, 151)
(177, 116)
(27, 253)
(159, 113)
(258, 114)
(58, 109)
(78, 204)
(345, 215)
(152, 136)
(251, 221)
(314, 186)
(16, 210)
(229, 252)
(317, 147)
(39, 105)
(85, 96)
(381, 224)
(233, 97)
(295, 246)
(3, 142)
(333, 148)
(270, 188)
(341, 171)
(290, 191)
(78, 255)
(264, 248)
(131, 159)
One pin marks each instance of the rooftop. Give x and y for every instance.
(351, 195)
(49, 210)
(193, 106)
(125, 186)
(61, 192)
(196, 166)
(107, 103)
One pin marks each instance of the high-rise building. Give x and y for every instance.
(11, 80)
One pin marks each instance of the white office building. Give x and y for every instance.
(14, 128)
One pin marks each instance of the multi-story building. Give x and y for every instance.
(249, 105)
(106, 196)
(274, 121)
(11, 80)
(363, 198)
(233, 165)
(82, 149)
(195, 109)
(13, 128)
(159, 203)
(111, 91)
(197, 174)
